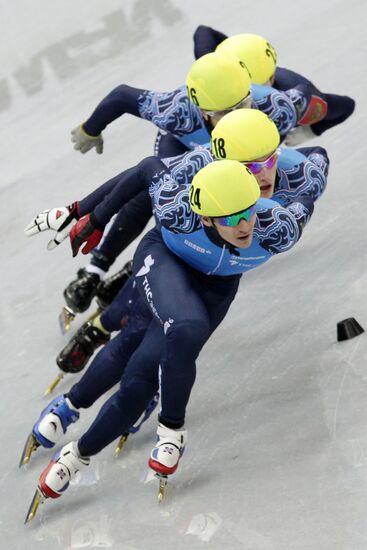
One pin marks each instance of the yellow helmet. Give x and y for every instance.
(255, 52)
(217, 82)
(223, 188)
(245, 135)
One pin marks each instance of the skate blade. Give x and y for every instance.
(66, 317)
(38, 499)
(120, 444)
(30, 445)
(162, 486)
(55, 382)
(94, 315)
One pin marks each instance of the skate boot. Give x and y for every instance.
(166, 454)
(78, 296)
(109, 288)
(80, 292)
(136, 427)
(52, 423)
(81, 347)
(55, 479)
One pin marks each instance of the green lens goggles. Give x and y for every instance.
(234, 219)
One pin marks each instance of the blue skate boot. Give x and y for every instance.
(51, 425)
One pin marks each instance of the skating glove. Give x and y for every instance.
(84, 142)
(86, 230)
(59, 219)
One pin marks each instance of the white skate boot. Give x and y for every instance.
(55, 479)
(168, 450)
(166, 454)
(65, 464)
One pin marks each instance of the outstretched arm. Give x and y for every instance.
(121, 100)
(88, 217)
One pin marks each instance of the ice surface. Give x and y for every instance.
(277, 450)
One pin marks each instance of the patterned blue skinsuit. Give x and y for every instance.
(182, 128)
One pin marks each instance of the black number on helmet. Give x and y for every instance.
(192, 94)
(270, 52)
(245, 67)
(195, 197)
(219, 149)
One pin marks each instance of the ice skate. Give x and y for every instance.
(136, 427)
(37, 499)
(166, 455)
(76, 354)
(30, 446)
(55, 479)
(72, 358)
(49, 428)
(78, 296)
(121, 443)
(66, 317)
(109, 288)
(55, 382)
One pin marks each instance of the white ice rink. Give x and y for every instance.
(277, 450)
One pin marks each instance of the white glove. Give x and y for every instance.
(84, 142)
(298, 135)
(59, 219)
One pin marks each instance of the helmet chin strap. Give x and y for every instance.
(213, 234)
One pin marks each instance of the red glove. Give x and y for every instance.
(316, 111)
(85, 230)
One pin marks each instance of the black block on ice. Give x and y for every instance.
(348, 328)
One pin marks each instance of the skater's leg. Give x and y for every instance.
(217, 295)
(96, 332)
(138, 387)
(108, 366)
(170, 290)
(105, 371)
(109, 288)
(180, 304)
(120, 308)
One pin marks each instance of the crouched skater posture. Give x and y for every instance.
(187, 271)
(282, 174)
(215, 85)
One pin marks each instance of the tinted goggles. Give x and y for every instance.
(256, 167)
(234, 219)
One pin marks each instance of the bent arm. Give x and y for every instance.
(121, 100)
(206, 39)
